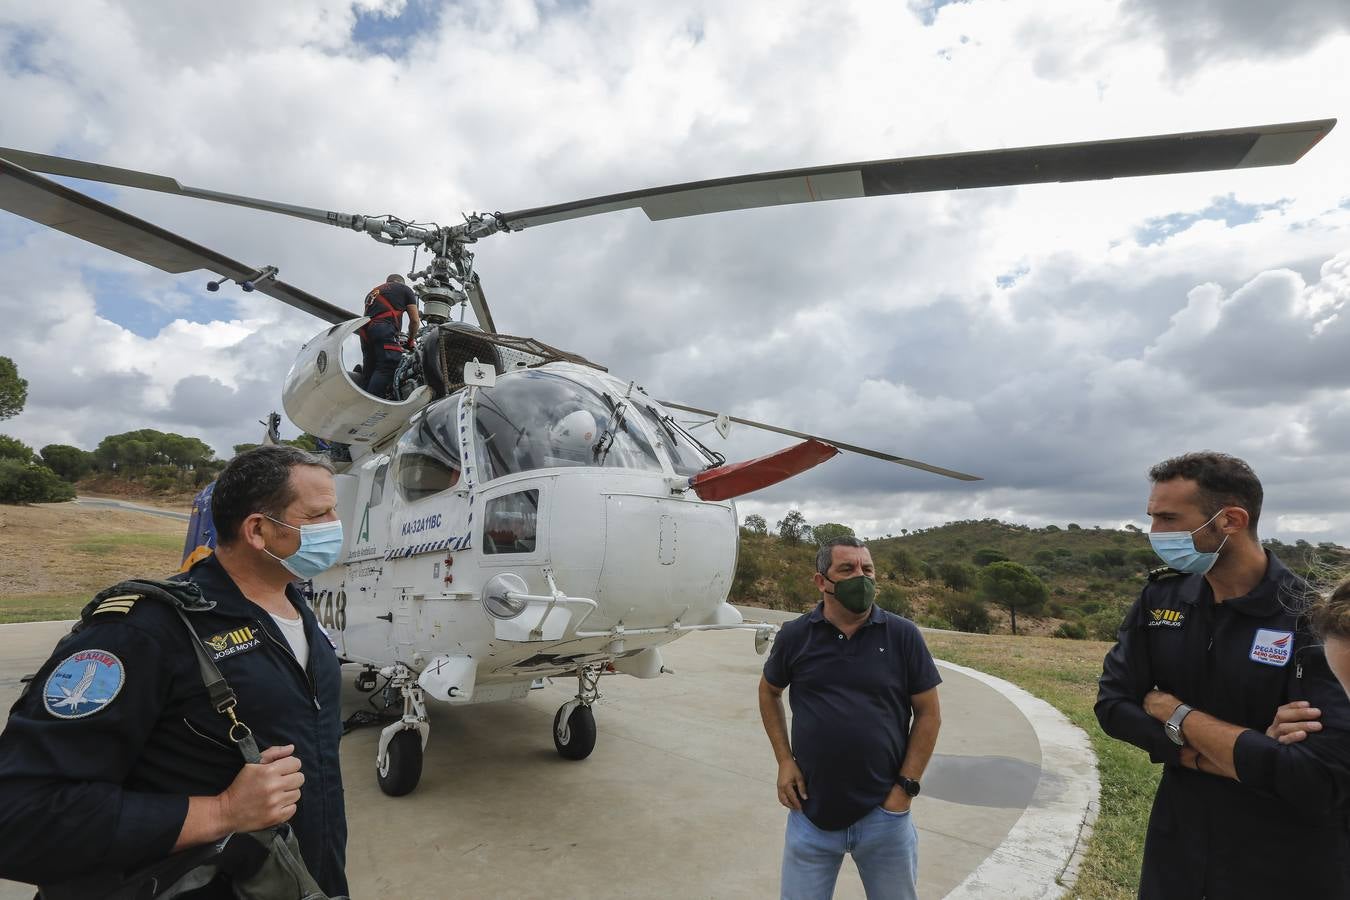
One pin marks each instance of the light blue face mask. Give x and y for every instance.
(319, 547)
(1177, 549)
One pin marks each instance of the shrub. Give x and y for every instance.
(930, 620)
(1073, 630)
(13, 448)
(25, 483)
(956, 576)
(965, 612)
(896, 599)
(1103, 625)
(986, 555)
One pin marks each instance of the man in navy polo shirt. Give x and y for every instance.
(865, 719)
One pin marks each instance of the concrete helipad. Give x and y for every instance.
(677, 801)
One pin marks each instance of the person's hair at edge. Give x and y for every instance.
(1329, 614)
(257, 480)
(825, 555)
(395, 278)
(1223, 480)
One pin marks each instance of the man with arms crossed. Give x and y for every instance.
(865, 719)
(1214, 647)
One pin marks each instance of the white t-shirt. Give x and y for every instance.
(294, 631)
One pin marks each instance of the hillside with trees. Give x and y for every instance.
(986, 575)
(140, 463)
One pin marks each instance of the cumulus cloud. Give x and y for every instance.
(1038, 336)
(1196, 30)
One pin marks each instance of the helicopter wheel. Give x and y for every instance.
(402, 767)
(578, 739)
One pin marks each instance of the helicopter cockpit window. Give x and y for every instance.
(685, 455)
(428, 455)
(377, 485)
(510, 523)
(537, 420)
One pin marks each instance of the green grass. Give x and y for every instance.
(107, 544)
(1064, 674)
(41, 607)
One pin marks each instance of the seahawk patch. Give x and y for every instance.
(233, 642)
(1272, 647)
(83, 684)
(1165, 618)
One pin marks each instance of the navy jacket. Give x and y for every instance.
(115, 732)
(1280, 830)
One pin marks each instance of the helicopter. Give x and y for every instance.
(514, 512)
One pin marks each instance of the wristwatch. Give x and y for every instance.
(1173, 725)
(909, 786)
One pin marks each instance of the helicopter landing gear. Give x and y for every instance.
(574, 724)
(398, 764)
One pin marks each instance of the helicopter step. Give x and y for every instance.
(574, 724)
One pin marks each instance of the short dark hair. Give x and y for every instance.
(257, 480)
(825, 555)
(1223, 480)
(395, 278)
(1330, 615)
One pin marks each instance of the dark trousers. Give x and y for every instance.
(378, 365)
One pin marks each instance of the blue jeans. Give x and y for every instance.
(884, 845)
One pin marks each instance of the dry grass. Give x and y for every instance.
(1064, 674)
(54, 557)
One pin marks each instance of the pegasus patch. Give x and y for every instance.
(1165, 618)
(83, 684)
(232, 643)
(1272, 647)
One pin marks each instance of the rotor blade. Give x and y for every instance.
(478, 300)
(852, 448)
(74, 168)
(1195, 151)
(48, 203)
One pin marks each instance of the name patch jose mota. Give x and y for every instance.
(232, 643)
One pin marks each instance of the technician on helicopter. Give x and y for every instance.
(380, 349)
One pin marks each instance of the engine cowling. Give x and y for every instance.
(321, 397)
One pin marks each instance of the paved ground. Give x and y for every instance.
(677, 800)
(107, 503)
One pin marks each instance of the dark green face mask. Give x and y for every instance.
(855, 594)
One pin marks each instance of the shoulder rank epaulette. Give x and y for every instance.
(1162, 573)
(121, 603)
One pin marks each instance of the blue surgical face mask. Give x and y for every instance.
(319, 547)
(1177, 549)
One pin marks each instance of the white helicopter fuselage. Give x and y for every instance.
(613, 558)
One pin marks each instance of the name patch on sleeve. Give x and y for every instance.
(1272, 647)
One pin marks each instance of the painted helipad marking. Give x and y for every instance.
(1041, 854)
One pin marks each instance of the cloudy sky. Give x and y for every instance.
(1055, 339)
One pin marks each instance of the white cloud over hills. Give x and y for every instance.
(1055, 339)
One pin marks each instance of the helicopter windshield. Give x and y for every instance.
(428, 454)
(685, 455)
(536, 420)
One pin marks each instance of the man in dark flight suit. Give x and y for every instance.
(380, 349)
(1213, 648)
(115, 757)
